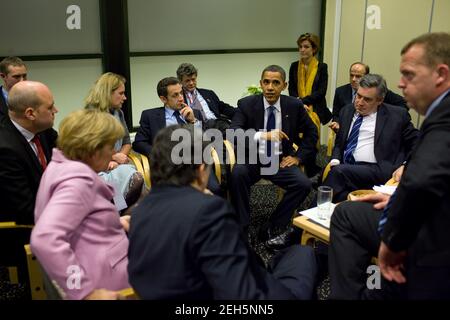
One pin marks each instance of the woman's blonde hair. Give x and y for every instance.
(100, 94)
(83, 132)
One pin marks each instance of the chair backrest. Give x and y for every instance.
(146, 166)
(217, 165)
(35, 276)
(129, 294)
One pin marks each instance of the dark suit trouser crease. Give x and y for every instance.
(354, 240)
(296, 269)
(291, 179)
(345, 178)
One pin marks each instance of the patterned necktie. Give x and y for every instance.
(269, 127)
(352, 141)
(196, 105)
(384, 216)
(40, 152)
(353, 96)
(177, 115)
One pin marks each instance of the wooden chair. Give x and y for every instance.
(141, 163)
(330, 142)
(129, 294)
(35, 276)
(146, 166)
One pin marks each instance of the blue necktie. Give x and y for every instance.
(269, 127)
(177, 115)
(352, 141)
(384, 216)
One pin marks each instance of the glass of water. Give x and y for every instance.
(324, 197)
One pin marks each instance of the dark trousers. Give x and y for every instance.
(354, 240)
(345, 178)
(295, 267)
(291, 179)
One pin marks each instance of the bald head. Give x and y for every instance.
(26, 94)
(31, 104)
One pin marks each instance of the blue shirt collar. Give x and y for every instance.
(277, 104)
(436, 103)
(5, 94)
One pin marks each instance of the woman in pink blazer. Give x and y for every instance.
(79, 238)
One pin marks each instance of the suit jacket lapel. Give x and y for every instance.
(381, 120)
(25, 146)
(160, 120)
(3, 107)
(346, 123)
(208, 98)
(259, 113)
(348, 94)
(285, 124)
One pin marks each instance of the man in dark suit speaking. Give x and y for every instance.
(278, 120)
(374, 140)
(185, 244)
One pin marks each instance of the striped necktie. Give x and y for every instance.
(384, 216)
(352, 141)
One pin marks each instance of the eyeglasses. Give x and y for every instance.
(305, 35)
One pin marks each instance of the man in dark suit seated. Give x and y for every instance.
(185, 244)
(174, 111)
(277, 121)
(12, 70)
(374, 140)
(26, 142)
(217, 114)
(345, 94)
(411, 236)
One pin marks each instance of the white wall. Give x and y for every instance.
(69, 81)
(227, 74)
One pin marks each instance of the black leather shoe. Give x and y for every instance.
(265, 233)
(283, 240)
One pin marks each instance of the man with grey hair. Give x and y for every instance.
(217, 114)
(12, 71)
(345, 94)
(374, 140)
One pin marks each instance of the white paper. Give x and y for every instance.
(312, 214)
(385, 189)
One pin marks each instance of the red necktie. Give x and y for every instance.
(40, 152)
